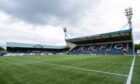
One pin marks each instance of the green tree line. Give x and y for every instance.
(137, 46)
(2, 49)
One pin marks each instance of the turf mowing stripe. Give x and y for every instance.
(83, 69)
(131, 72)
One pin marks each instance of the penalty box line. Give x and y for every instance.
(83, 69)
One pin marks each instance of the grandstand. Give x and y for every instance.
(118, 42)
(34, 48)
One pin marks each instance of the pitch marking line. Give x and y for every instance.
(131, 71)
(83, 69)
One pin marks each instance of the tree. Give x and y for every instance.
(2, 49)
(137, 46)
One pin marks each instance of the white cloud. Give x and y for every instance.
(105, 16)
(19, 31)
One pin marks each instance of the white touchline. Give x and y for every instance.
(91, 70)
(131, 71)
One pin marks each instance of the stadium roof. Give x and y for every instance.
(123, 35)
(23, 45)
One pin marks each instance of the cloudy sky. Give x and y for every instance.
(42, 21)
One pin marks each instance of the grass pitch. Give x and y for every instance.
(68, 69)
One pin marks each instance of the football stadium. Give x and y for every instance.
(118, 42)
(106, 58)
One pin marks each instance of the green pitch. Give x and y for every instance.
(68, 69)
